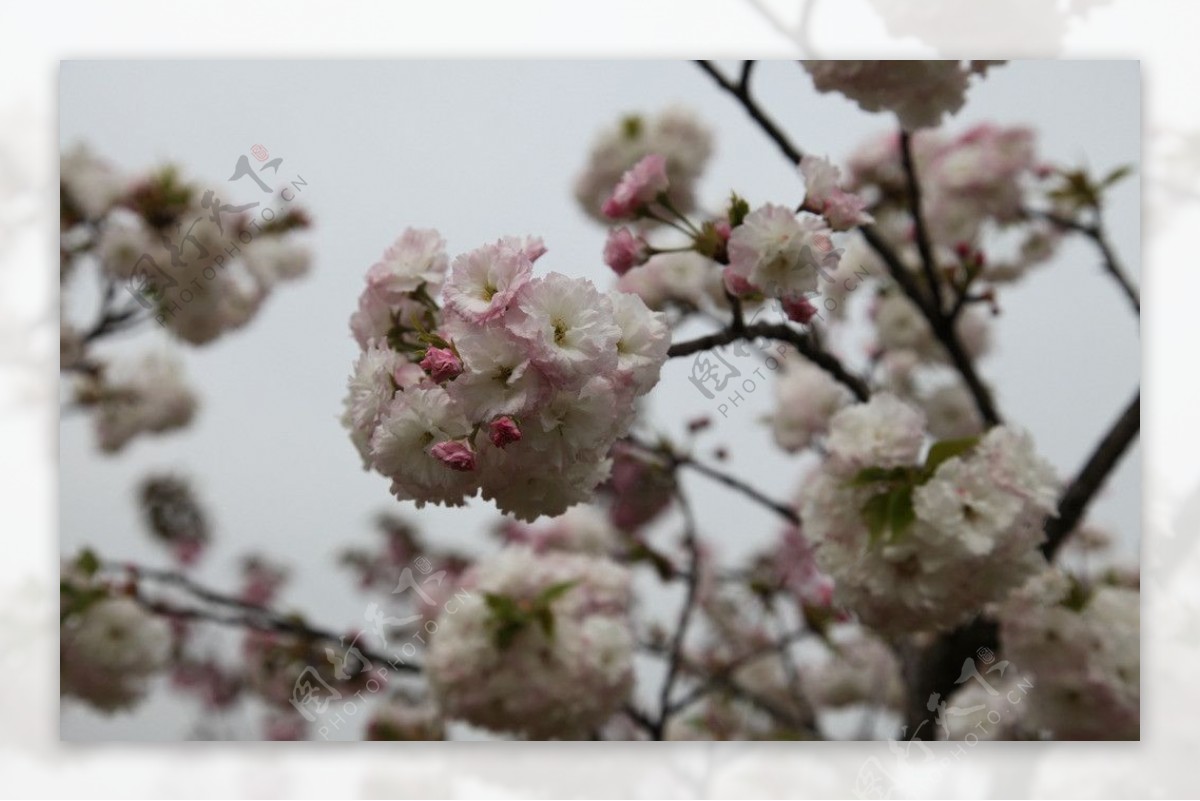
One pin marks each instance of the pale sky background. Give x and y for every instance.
(484, 149)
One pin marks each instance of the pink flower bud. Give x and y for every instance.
(454, 454)
(504, 431)
(798, 309)
(645, 181)
(737, 285)
(442, 365)
(623, 251)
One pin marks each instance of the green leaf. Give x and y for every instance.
(1116, 175)
(87, 562)
(738, 210)
(901, 514)
(553, 593)
(545, 619)
(503, 608)
(875, 513)
(870, 475)
(947, 449)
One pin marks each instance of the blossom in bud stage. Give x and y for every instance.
(555, 621)
(640, 186)
(624, 250)
(455, 455)
(781, 252)
(503, 431)
(798, 309)
(919, 92)
(442, 365)
(824, 195)
(675, 134)
(417, 258)
(738, 286)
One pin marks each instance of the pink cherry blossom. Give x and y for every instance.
(454, 454)
(624, 250)
(644, 182)
(503, 431)
(799, 309)
(442, 364)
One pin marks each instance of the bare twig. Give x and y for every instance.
(1112, 264)
(742, 92)
(692, 545)
(783, 333)
(924, 249)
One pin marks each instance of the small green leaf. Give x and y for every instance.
(945, 450)
(553, 593)
(738, 210)
(87, 562)
(503, 608)
(875, 515)
(871, 475)
(1116, 175)
(901, 514)
(545, 619)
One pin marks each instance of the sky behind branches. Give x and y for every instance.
(480, 150)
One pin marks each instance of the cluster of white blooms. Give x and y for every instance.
(806, 397)
(899, 535)
(108, 651)
(542, 647)
(993, 709)
(147, 396)
(517, 388)
(198, 269)
(780, 253)
(675, 134)
(1081, 645)
(920, 93)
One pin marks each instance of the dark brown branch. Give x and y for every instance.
(781, 509)
(783, 333)
(924, 249)
(742, 93)
(1079, 493)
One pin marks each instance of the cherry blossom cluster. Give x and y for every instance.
(899, 534)
(1080, 643)
(920, 93)
(166, 250)
(109, 645)
(557, 622)
(516, 388)
(675, 135)
(199, 270)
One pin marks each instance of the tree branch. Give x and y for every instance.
(1091, 478)
(1111, 262)
(922, 235)
(783, 333)
(742, 92)
(692, 545)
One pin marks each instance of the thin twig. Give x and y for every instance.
(752, 108)
(924, 249)
(783, 333)
(1108, 256)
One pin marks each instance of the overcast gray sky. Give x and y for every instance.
(483, 149)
